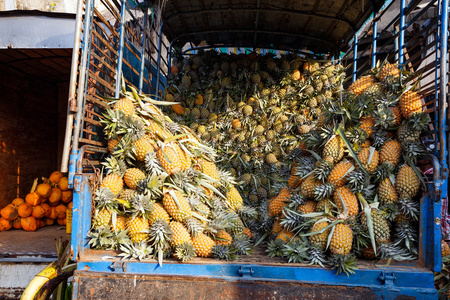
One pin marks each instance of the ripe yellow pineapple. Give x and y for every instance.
(342, 239)
(407, 183)
(223, 238)
(389, 70)
(276, 204)
(367, 124)
(132, 177)
(114, 182)
(410, 103)
(344, 194)
(319, 239)
(308, 185)
(102, 218)
(158, 213)
(333, 151)
(285, 235)
(176, 205)
(170, 158)
(337, 175)
(121, 223)
(386, 192)
(180, 234)
(369, 162)
(126, 105)
(138, 229)
(308, 207)
(234, 198)
(359, 86)
(142, 147)
(203, 244)
(208, 168)
(391, 152)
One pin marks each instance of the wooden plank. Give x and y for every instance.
(90, 142)
(101, 80)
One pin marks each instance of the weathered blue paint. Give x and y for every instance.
(355, 57)
(374, 42)
(401, 40)
(144, 36)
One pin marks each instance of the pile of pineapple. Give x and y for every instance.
(354, 188)
(47, 203)
(251, 108)
(162, 195)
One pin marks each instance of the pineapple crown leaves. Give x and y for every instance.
(384, 117)
(358, 180)
(325, 190)
(409, 207)
(100, 238)
(322, 170)
(114, 166)
(137, 251)
(412, 150)
(160, 235)
(356, 135)
(247, 212)
(390, 251)
(368, 213)
(379, 138)
(185, 252)
(316, 256)
(104, 198)
(224, 252)
(361, 237)
(114, 121)
(341, 133)
(242, 244)
(383, 171)
(389, 211)
(296, 251)
(343, 264)
(291, 219)
(406, 235)
(419, 121)
(141, 205)
(152, 164)
(275, 248)
(152, 185)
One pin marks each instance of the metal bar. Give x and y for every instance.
(401, 41)
(158, 62)
(355, 57)
(374, 43)
(141, 71)
(84, 66)
(121, 42)
(443, 81)
(71, 107)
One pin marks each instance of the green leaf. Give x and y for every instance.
(349, 147)
(368, 213)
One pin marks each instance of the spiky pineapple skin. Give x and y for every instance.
(386, 192)
(308, 185)
(380, 226)
(203, 245)
(308, 207)
(389, 70)
(177, 213)
(407, 183)
(223, 238)
(359, 86)
(349, 199)
(132, 177)
(390, 152)
(333, 150)
(410, 103)
(114, 182)
(102, 218)
(277, 204)
(320, 239)
(137, 227)
(234, 198)
(126, 105)
(337, 175)
(364, 156)
(180, 234)
(341, 240)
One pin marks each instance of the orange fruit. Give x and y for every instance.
(33, 199)
(55, 196)
(49, 221)
(44, 190)
(25, 210)
(16, 202)
(29, 224)
(46, 208)
(56, 176)
(38, 212)
(5, 224)
(61, 222)
(70, 205)
(9, 212)
(63, 184)
(67, 196)
(61, 211)
(40, 223)
(16, 223)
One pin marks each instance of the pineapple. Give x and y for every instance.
(367, 124)
(203, 244)
(132, 177)
(407, 183)
(120, 223)
(333, 151)
(344, 195)
(389, 70)
(386, 191)
(308, 207)
(234, 198)
(445, 249)
(319, 239)
(277, 204)
(390, 153)
(176, 205)
(172, 158)
(308, 185)
(180, 234)
(126, 105)
(380, 225)
(142, 147)
(137, 224)
(339, 172)
(209, 169)
(158, 213)
(342, 239)
(359, 86)
(410, 103)
(223, 238)
(369, 158)
(325, 202)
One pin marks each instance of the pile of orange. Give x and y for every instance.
(46, 203)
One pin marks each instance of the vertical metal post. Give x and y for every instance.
(443, 82)
(169, 61)
(72, 88)
(121, 42)
(355, 57)
(401, 42)
(158, 62)
(374, 42)
(141, 71)
(84, 66)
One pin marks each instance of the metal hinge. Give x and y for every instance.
(118, 265)
(246, 271)
(387, 279)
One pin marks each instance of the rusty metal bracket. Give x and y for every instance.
(246, 272)
(388, 279)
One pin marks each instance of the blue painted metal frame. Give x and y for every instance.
(386, 281)
(121, 45)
